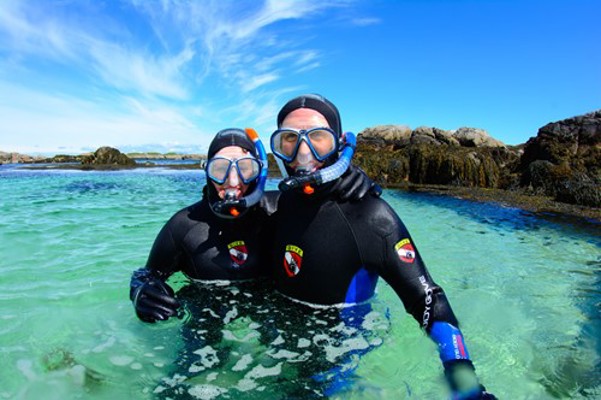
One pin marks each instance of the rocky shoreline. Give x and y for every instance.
(536, 204)
(558, 171)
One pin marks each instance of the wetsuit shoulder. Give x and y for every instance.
(372, 216)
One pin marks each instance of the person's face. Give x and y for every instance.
(304, 118)
(233, 183)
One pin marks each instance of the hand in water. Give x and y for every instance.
(154, 300)
(464, 383)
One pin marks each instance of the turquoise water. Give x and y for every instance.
(526, 289)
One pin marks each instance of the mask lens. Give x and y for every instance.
(285, 142)
(248, 169)
(323, 142)
(218, 168)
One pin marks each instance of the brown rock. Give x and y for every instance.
(108, 156)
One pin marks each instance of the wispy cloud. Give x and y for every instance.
(40, 122)
(180, 66)
(367, 21)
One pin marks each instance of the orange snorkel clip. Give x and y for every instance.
(234, 212)
(308, 189)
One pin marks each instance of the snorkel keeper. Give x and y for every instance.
(247, 139)
(336, 164)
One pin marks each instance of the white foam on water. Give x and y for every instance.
(208, 358)
(283, 354)
(213, 314)
(110, 342)
(243, 363)
(344, 329)
(170, 382)
(121, 361)
(229, 335)
(231, 314)
(246, 385)
(374, 321)
(302, 343)
(206, 392)
(278, 340)
(262, 372)
(348, 345)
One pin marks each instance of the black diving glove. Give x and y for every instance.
(464, 383)
(153, 299)
(354, 185)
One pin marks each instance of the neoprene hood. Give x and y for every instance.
(315, 102)
(231, 137)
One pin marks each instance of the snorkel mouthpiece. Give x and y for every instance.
(325, 175)
(230, 195)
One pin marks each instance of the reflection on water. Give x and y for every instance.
(526, 290)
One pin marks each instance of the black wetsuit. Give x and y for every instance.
(326, 252)
(207, 247)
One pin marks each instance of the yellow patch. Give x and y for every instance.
(236, 243)
(294, 249)
(401, 243)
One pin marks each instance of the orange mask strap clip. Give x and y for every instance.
(234, 212)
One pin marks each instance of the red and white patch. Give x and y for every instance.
(405, 251)
(293, 259)
(238, 252)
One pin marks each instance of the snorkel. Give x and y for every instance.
(324, 175)
(230, 207)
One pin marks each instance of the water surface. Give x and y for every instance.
(526, 289)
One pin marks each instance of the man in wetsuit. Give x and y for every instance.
(326, 252)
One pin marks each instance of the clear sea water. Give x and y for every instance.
(526, 288)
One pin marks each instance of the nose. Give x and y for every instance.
(233, 179)
(304, 148)
(304, 155)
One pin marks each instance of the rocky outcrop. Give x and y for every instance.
(167, 156)
(564, 161)
(108, 156)
(17, 158)
(467, 157)
(66, 158)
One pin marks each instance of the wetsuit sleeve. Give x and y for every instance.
(400, 265)
(163, 259)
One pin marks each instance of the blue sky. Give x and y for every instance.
(167, 75)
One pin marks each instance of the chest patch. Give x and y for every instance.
(405, 250)
(238, 252)
(293, 258)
